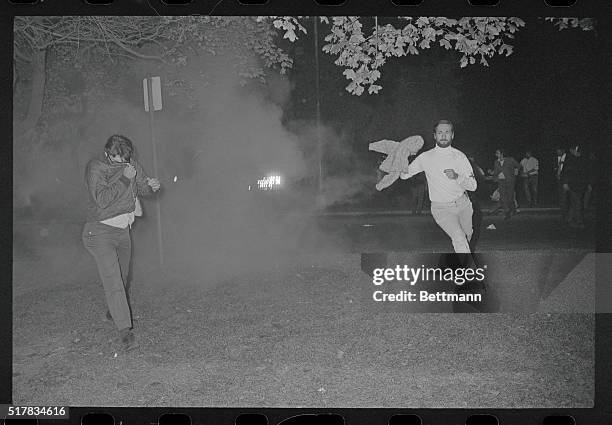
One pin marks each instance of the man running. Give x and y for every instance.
(449, 175)
(114, 182)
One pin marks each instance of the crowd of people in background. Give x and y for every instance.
(572, 175)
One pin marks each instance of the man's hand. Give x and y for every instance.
(154, 183)
(566, 187)
(450, 173)
(129, 171)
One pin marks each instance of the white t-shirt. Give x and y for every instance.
(124, 220)
(433, 162)
(560, 162)
(530, 166)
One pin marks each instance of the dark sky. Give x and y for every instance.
(539, 97)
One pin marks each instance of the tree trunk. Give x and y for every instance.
(36, 95)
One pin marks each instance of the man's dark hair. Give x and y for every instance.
(501, 151)
(119, 145)
(444, 122)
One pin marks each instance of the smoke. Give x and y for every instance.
(211, 220)
(347, 177)
(213, 226)
(218, 138)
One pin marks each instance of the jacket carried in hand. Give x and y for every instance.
(110, 193)
(397, 157)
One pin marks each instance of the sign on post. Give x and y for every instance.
(155, 93)
(152, 96)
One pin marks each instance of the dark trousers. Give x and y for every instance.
(588, 194)
(111, 248)
(418, 198)
(530, 187)
(476, 220)
(576, 207)
(506, 195)
(563, 199)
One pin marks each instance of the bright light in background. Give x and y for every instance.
(272, 182)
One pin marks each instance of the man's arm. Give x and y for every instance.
(496, 170)
(142, 184)
(536, 168)
(516, 167)
(101, 191)
(415, 167)
(466, 176)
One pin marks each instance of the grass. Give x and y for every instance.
(295, 335)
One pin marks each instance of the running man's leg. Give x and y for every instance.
(465, 213)
(527, 190)
(124, 252)
(534, 189)
(448, 220)
(102, 244)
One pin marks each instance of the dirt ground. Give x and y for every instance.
(298, 334)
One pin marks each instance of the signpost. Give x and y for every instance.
(153, 102)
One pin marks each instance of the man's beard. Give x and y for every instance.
(443, 143)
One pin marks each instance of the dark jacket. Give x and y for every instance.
(110, 193)
(509, 169)
(576, 173)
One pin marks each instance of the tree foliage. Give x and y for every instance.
(476, 40)
(83, 40)
(585, 24)
(362, 45)
(150, 37)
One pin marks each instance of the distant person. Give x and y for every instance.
(480, 177)
(505, 171)
(588, 196)
(114, 183)
(562, 195)
(449, 175)
(575, 179)
(529, 173)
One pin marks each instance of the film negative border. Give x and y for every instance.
(601, 413)
(310, 7)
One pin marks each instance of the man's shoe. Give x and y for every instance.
(108, 316)
(128, 340)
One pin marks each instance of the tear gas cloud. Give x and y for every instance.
(212, 224)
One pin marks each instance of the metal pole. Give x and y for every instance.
(153, 144)
(318, 105)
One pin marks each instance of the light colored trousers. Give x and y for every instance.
(455, 218)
